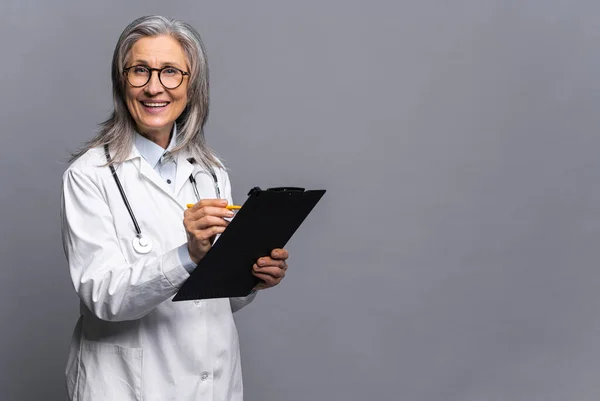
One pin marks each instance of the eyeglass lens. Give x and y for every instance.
(169, 77)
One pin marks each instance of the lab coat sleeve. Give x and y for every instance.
(109, 286)
(237, 303)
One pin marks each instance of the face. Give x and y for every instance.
(153, 107)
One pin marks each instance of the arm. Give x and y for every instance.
(109, 286)
(239, 302)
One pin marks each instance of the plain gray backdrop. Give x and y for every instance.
(455, 255)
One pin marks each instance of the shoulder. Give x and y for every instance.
(221, 170)
(90, 165)
(92, 159)
(218, 166)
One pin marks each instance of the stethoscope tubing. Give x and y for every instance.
(147, 245)
(138, 231)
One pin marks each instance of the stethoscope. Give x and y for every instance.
(142, 244)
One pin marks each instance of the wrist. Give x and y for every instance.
(195, 257)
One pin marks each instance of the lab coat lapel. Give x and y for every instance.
(184, 170)
(151, 175)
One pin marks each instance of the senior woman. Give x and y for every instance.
(131, 242)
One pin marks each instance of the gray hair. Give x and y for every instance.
(118, 130)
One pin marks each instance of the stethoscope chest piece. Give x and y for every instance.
(142, 244)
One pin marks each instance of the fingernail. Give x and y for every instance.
(230, 213)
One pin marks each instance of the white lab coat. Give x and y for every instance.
(131, 342)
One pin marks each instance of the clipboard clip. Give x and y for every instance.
(256, 190)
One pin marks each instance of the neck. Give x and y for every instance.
(159, 137)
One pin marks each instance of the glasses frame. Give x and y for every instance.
(159, 70)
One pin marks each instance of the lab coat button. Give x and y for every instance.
(204, 376)
(197, 302)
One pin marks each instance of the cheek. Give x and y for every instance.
(181, 101)
(130, 100)
(182, 95)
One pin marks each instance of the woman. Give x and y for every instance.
(131, 342)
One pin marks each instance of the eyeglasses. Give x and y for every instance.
(139, 75)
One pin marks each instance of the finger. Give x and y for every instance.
(268, 281)
(199, 219)
(209, 202)
(279, 253)
(197, 228)
(206, 235)
(210, 211)
(267, 261)
(206, 222)
(273, 271)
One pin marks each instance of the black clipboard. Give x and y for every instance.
(267, 220)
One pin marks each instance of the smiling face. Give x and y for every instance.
(153, 107)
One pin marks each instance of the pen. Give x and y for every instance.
(230, 207)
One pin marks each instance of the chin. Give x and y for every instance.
(156, 124)
(156, 128)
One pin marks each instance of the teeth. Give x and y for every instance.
(155, 104)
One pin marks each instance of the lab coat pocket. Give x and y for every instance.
(109, 372)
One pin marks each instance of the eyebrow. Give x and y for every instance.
(164, 64)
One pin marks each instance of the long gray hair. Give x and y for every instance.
(118, 131)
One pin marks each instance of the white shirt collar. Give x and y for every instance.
(152, 152)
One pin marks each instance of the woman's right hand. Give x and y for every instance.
(202, 223)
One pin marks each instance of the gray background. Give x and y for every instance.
(455, 254)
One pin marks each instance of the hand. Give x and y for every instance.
(202, 223)
(271, 270)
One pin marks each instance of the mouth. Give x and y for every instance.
(154, 106)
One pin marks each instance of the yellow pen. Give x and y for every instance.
(230, 207)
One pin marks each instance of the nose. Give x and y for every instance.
(154, 86)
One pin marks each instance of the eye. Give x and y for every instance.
(170, 71)
(140, 70)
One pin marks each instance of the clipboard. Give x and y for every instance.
(267, 220)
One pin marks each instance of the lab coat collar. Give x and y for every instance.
(184, 170)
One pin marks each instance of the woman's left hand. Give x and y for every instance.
(270, 270)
